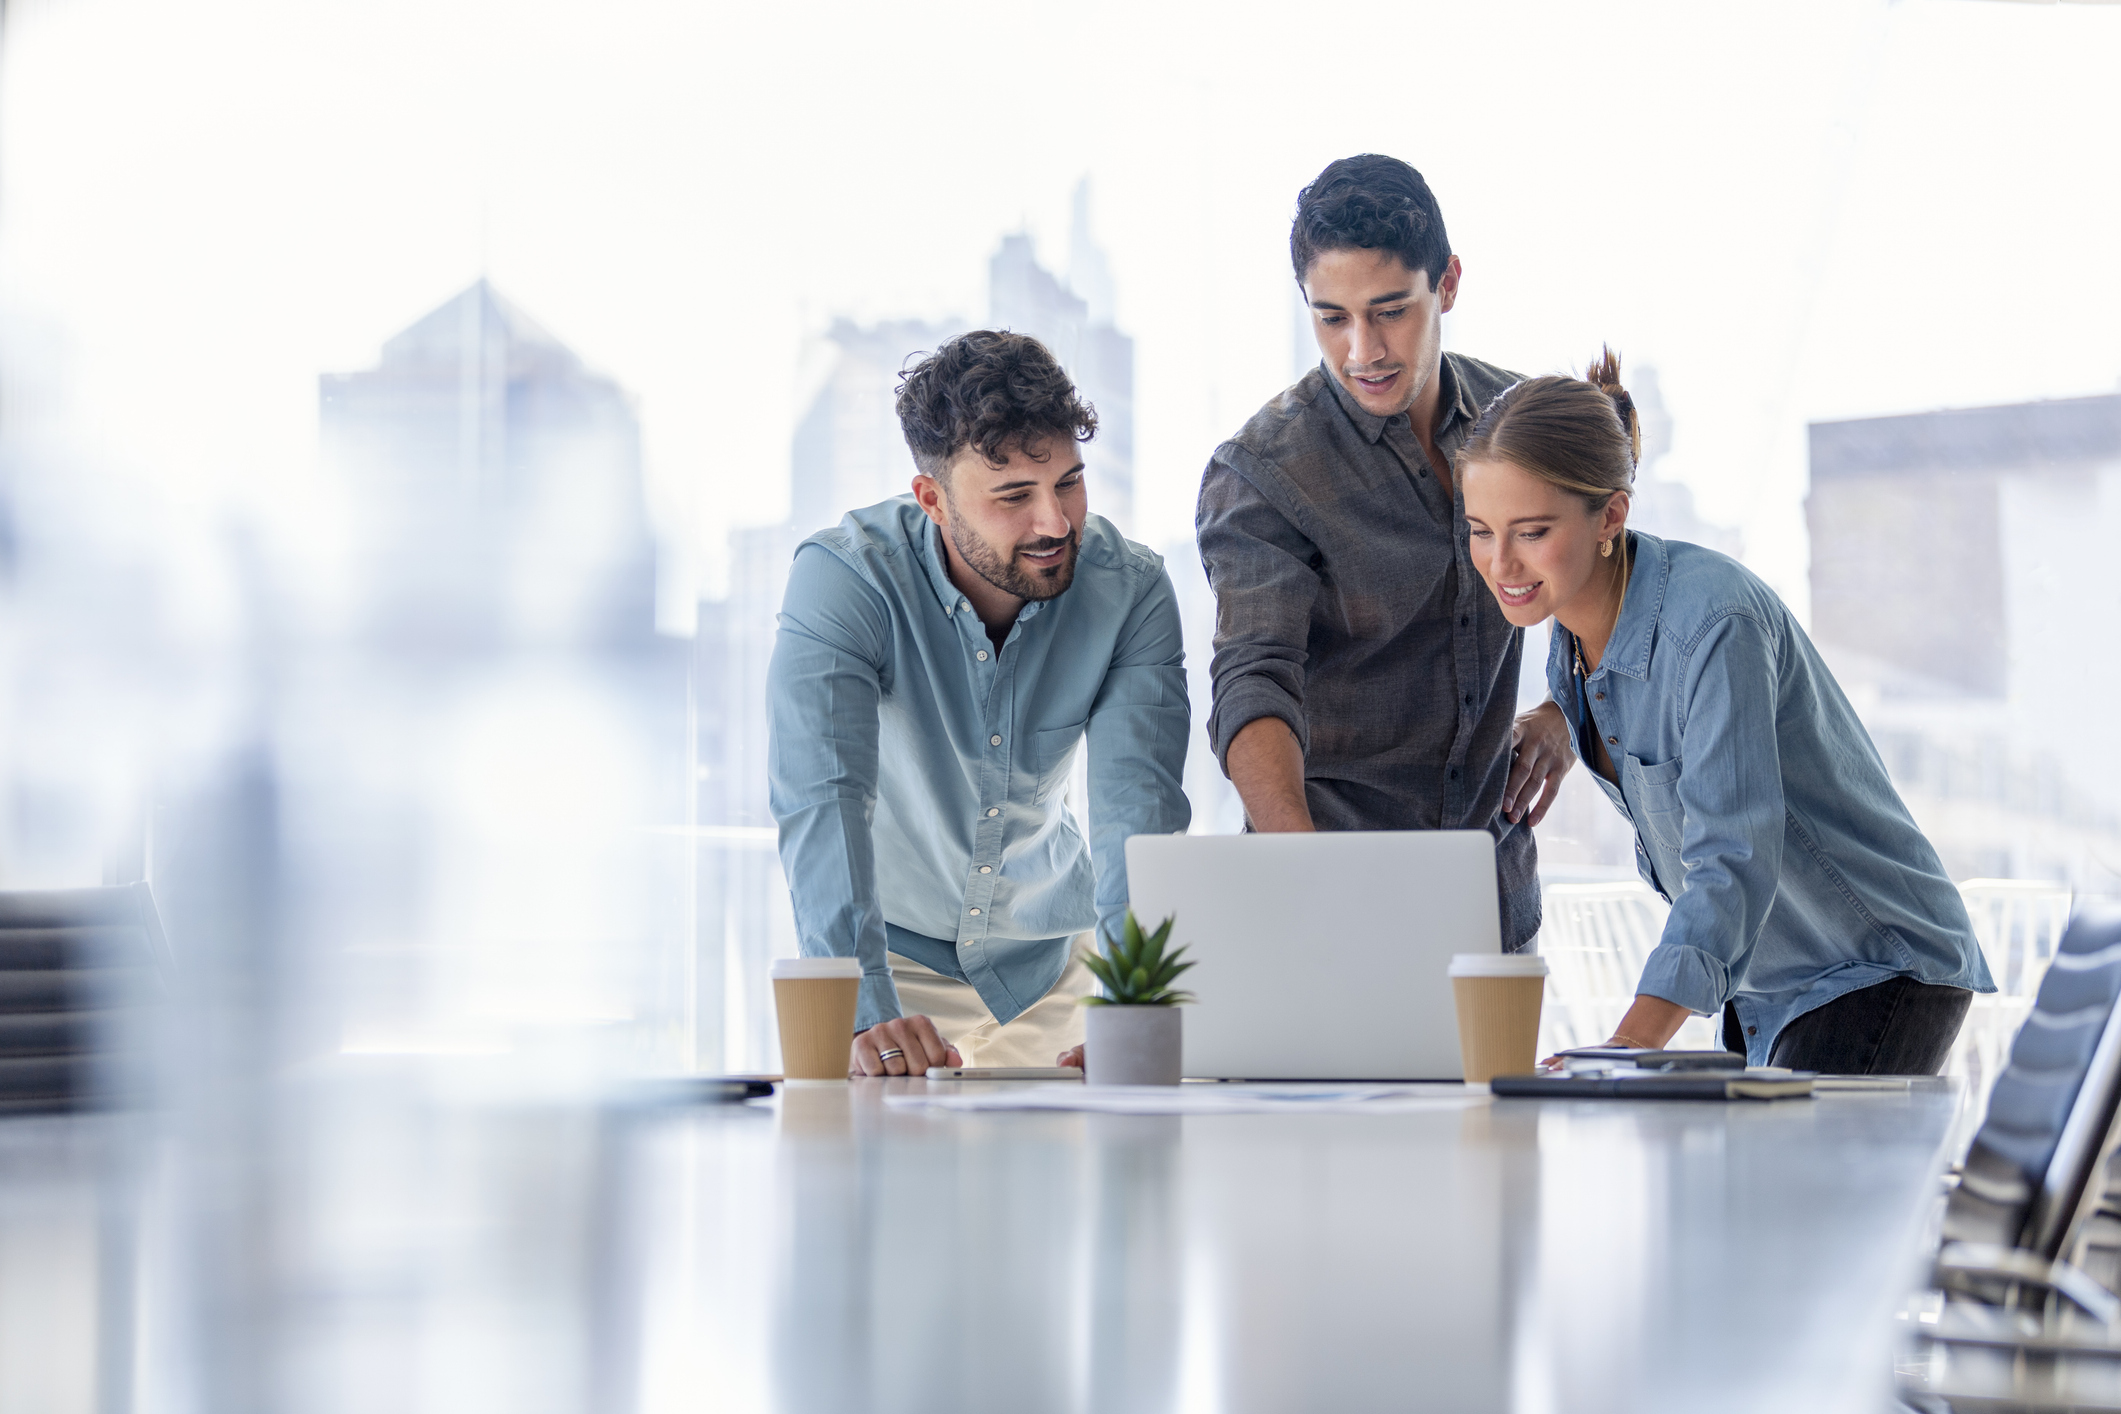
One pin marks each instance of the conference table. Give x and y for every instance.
(846, 1250)
(405, 1241)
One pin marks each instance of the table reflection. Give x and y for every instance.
(406, 1244)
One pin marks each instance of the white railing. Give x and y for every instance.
(1597, 935)
(1595, 939)
(2018, 922)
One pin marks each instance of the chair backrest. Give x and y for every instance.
(2051, 1109)
(77, 968)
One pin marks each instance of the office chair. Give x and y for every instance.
(79, 969)
(2031, 1239)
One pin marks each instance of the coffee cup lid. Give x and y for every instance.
(1493, 964)
(792, 968)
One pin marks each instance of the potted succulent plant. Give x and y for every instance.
(1132, 1031)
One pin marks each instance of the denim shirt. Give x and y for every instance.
(919, 775)
(1761, 809)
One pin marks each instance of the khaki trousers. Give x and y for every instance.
(1047, 1027)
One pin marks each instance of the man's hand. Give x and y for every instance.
(1267, 766)
(1540, 757)
(915, 1045)
(1072, 1056)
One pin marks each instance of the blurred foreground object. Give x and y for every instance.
(79, 969)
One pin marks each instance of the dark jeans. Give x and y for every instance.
(1897, 1027)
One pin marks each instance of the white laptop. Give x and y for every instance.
(1321, 956)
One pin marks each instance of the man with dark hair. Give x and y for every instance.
(1364, 677)
(940, 656)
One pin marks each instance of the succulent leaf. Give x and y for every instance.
(1134, 969)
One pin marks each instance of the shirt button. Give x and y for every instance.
(994, 741)
(986, 869)
(1600, 696)
(1750, 1030)
(1454, 773)
(1612, 741)
(981, 655)
(1469, 699)
(975, 911)
(993, 811)
(964, 603)
(1463, 621)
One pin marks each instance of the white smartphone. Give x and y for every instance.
(1005, 1072)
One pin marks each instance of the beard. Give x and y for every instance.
(1006, 571)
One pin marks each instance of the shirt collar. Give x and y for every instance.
(936, 563)
(1453, 398)
(1458, 395)
(1628, 649)
(933, 561)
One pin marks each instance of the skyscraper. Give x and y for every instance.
(499, 480)
(1961, 590)
(1075, 319)
(506, 845)
(848, 449)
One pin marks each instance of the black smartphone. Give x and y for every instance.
(699, 1090)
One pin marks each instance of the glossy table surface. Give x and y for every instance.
(839, 1254)
(397, 1242)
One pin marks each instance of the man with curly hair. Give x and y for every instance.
(1364, 677)
(940, 657)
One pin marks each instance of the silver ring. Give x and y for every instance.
(887, 1055)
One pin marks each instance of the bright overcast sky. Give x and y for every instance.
(1804, 209)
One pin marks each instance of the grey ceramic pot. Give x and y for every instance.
(1131, 1045)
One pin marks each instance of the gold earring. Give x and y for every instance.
(1605, 549)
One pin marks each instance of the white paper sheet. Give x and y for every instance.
(1201, 1099)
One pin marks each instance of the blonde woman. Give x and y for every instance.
(1807, 908)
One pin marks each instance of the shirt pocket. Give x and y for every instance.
(1054, 752)
(1657, 788)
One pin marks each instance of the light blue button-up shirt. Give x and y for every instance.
(919, 774)
(1761, 808)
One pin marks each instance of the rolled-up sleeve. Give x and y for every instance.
(1137, 739)
(1730, 788)
(823, 688)
(1262, 568)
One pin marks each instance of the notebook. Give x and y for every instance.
(1657, 1085)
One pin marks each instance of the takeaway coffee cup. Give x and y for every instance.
(1498, 997)
(815, 997)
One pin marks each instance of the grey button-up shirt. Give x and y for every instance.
(1347, 606)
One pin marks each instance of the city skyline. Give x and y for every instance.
(1783, 257)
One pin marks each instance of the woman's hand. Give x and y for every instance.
(1649, 1024)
